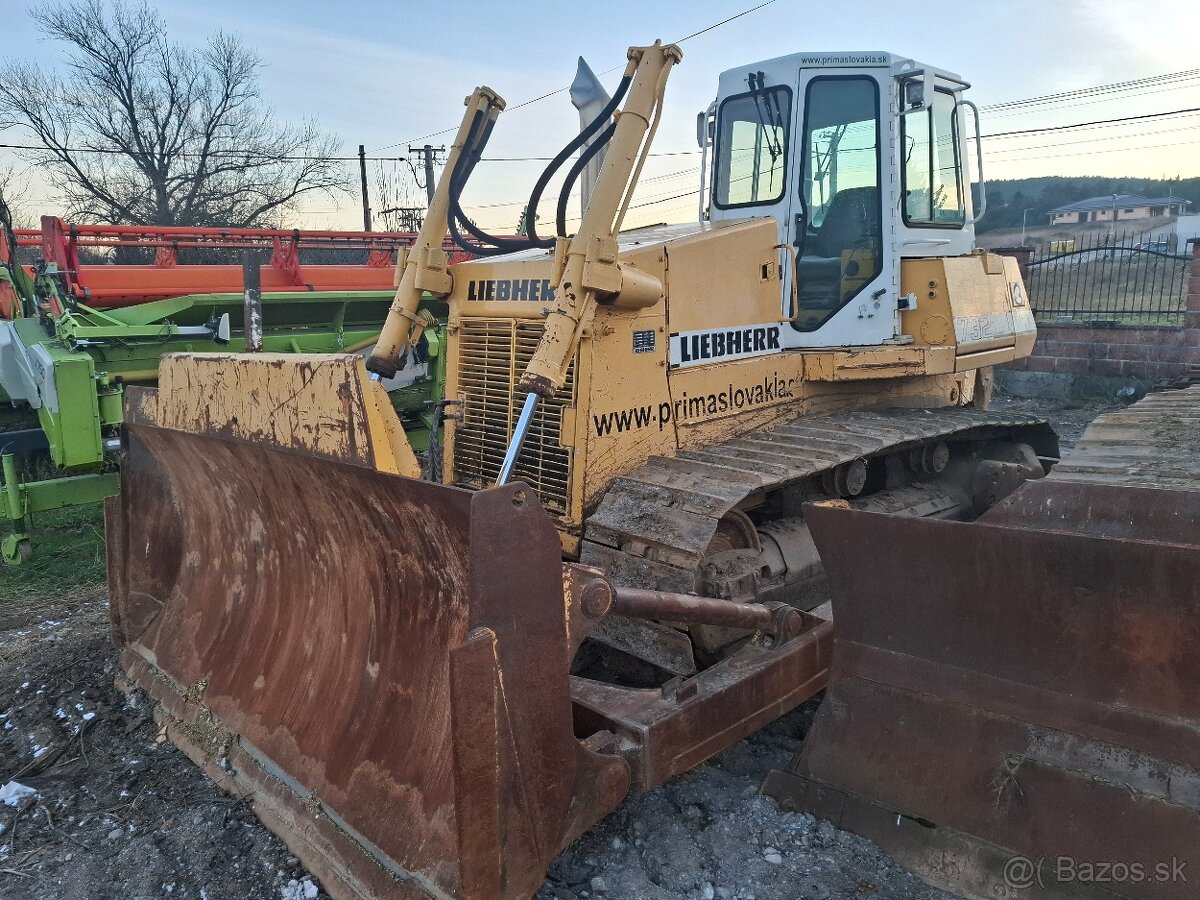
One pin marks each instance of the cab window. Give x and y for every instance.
(840, 246)
(933, 189)
(751, 148)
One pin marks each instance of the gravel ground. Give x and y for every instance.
(1068, 421)
(709, 834)
(117, 812)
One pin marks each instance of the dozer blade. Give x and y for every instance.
(1013, 708)
(379, 663)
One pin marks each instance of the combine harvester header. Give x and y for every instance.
(170, 267)
(103, 304)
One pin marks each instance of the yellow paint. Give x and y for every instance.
(622, 407)
(323, 404)
(857, 364)
(716, 278)
(391, 449)
(968, 302)
(621, 403)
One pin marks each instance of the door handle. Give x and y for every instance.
(794, 253)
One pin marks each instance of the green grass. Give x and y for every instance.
(1053, 317)
(68, 556)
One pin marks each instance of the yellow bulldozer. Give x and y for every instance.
(430, 686)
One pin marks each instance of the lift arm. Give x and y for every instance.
(586, 267)
(586, 264)
(425, 266)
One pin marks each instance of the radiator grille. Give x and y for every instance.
(493, 354)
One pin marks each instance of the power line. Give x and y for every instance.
(1045, 99)
(1157, 115)
(532, 100)
(1005, 134)
(744, 12)
(996, 135)
(693, 193)
(1115, 96)
(231, 154)
(667, 176)
(114, 151)
(548, 158)
(1091, 140)
(1191, 73)
(268, 157)
(1075, 153)
(1112, 87)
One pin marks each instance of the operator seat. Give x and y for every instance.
(851, 223)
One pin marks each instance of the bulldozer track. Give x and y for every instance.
(655, 524)
(1151, 444)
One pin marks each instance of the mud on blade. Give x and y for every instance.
(319, 636)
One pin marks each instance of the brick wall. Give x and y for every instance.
(1148, 353)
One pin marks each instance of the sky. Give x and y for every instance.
(385, 74)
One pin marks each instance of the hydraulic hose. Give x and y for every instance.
(573, 175)
(492, 245)
(579, 140)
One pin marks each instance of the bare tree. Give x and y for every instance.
(142, 131)
(14, 196)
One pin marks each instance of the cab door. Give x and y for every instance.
(847, 264)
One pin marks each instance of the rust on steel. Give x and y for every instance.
(663, 732)
(1025, 684)
(404, 719)
(643, 603)
(383, 707)
(402, 715)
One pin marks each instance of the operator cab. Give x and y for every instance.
(861, 158)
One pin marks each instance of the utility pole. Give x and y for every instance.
(252, 301)
(362, 172)
(428, 154)
(1023, 215)
(410, 218)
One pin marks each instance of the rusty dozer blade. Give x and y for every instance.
(1013, 707)
(383, 664)
(364, 654)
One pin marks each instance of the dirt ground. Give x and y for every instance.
(115, 812)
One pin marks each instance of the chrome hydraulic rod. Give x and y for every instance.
(518, 439)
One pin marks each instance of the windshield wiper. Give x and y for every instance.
(770, 120)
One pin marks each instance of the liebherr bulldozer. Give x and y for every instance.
(431, 687)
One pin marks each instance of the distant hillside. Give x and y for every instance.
(1006, 200)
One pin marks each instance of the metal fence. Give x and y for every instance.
(1128, 278)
